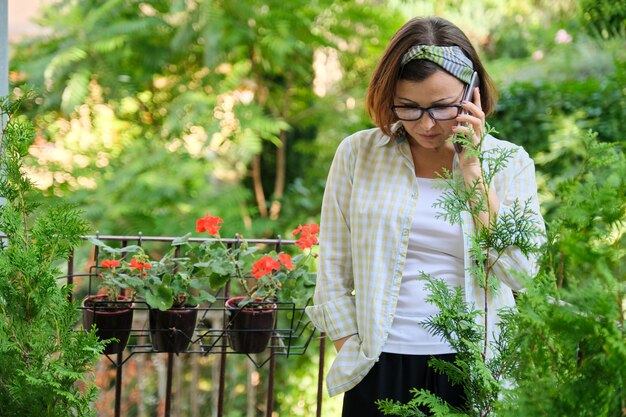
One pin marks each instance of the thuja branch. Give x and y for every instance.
(473, 196)
(497, 228)
(494, 233)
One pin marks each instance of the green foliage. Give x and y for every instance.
(604, 18)
(135, 89)
(174, 280)
(483, 361)
(515, 228)
(189, 273)
(571, 327)
(44, 360)
(483, 378)
(420, 398)
(134, 117)
(566, 343)
(542, 109)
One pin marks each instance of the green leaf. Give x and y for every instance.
(182, 240)
(64, 60)
(204, 296)
(196, 284)
(161, 297)
(217, 281)
(75, 90)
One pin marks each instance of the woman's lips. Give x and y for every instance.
(428, 136)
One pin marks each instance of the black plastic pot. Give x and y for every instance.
(250, 329)
(112, 320)
(172, 330)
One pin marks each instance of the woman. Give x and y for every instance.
(379, 230)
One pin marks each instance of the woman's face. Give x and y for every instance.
(438, 89)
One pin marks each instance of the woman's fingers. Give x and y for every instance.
(475, 117)
(476, 97)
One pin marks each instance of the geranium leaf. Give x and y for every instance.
(249, 251)
(206, 296)
(243, 302)
(222, 268)
(182, 240)
(162, 298)
(217, 281)
(196, 284)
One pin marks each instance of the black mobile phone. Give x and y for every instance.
(467, 96)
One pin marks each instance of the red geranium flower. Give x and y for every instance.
(264, 266)
(308, 237)
(135, 264)
(209, 224)
(110, 263)
(285, 259)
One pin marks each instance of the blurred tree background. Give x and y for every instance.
(150, 113)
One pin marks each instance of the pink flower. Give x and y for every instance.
(562, 36)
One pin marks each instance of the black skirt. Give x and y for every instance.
(392, 377)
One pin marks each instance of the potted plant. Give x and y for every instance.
(174, 286)
(171, 287)
(252, 315)
(111, 310)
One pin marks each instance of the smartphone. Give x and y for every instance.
(467, 96)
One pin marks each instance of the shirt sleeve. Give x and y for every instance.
(521, 185)
(334, 310)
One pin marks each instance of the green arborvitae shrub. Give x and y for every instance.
(562, 351)
(45, 362)
(571, 328)
(483, 361)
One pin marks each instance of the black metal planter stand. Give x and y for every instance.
(282, 344)
(209, 339)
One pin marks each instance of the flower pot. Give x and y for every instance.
(112, 321)
(250, 329)
(172, 330)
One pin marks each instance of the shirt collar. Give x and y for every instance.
(399, 135)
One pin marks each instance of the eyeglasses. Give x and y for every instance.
(413, 113)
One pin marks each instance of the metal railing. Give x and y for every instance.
(292, 335)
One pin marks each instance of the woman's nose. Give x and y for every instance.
(426, 122)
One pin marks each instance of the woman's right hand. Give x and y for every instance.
(339, 342)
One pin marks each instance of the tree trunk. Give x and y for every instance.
(281, 155)
(258, 185)
(281, 168)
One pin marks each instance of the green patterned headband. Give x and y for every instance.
(450, 58)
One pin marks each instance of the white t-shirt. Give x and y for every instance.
(435, 248)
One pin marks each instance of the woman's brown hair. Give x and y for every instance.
(419, 31)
